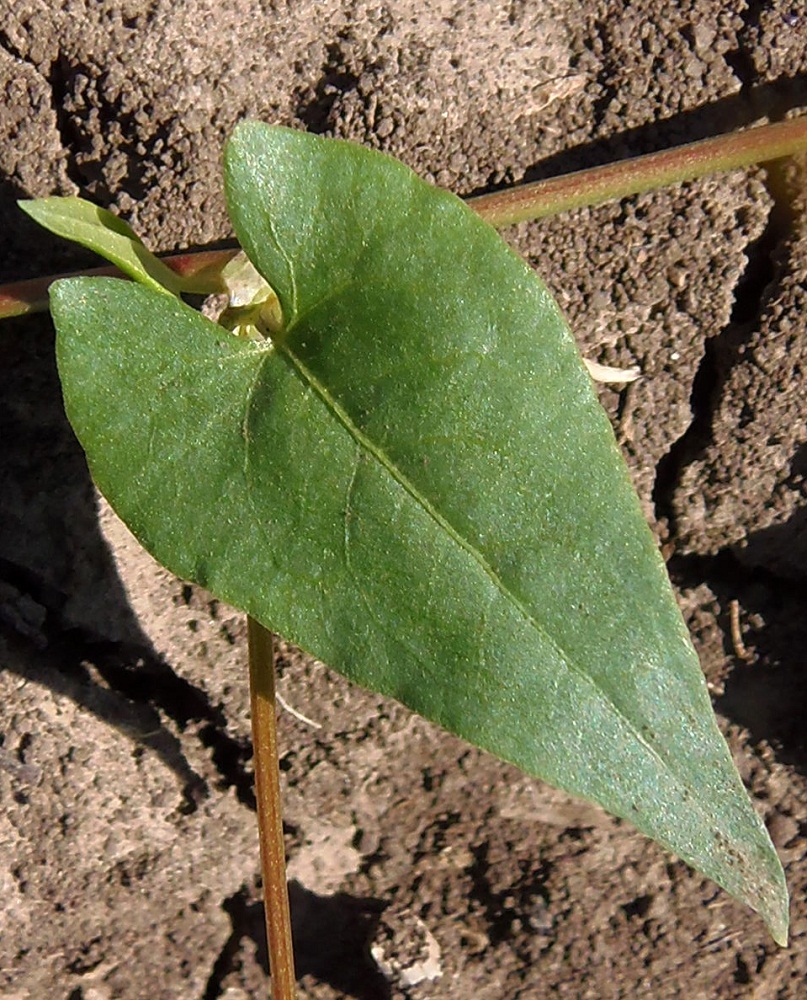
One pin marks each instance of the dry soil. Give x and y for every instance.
(128, 861)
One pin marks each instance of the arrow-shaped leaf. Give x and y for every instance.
(415, 482)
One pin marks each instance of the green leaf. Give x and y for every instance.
(106, 234)
(414, 481)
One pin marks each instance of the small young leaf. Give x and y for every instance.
(414, 481)
(106, 234)
(253, 309)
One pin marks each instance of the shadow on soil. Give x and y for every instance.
(768, 693)
(49, 543)
(765, 101)
(331, 941)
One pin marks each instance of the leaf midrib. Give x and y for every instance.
(365, 442)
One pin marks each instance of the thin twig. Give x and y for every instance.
(296, 712)
(270, 816)
(741, 651)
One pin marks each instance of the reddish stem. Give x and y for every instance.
(643, 173)
(204, 266)
(527, 201)
(270, 813)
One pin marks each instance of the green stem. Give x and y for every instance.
(270, 815)
(527, 201)
(205, 266)
(642, 173)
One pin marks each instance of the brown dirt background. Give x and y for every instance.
(128, 857)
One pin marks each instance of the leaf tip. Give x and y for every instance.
(778, 919)
(28, 205)
(772, 903)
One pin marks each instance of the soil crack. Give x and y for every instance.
(723, 350)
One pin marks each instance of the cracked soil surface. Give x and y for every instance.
(128, 851)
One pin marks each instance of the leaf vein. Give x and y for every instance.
(366, 443)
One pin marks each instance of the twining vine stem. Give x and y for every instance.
(270, 815)
(643, 173)
(518, 204)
